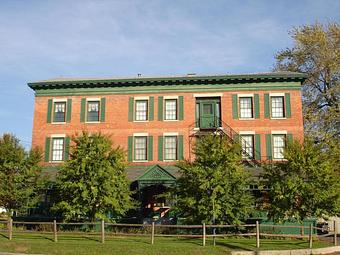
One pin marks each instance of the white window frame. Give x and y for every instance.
(252, 133)
(57, 136)
(239, 106)
(133, 147)
(147, 108)
(278, 133)
(94, 99)
(165, 135)
(59, 100)
(164, 107)
(284, 105)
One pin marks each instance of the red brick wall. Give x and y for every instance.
(116, 120)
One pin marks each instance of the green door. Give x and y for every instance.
(207, 118)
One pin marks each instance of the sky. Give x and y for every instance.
(98, 38)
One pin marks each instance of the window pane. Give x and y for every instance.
(277, 107)
(141, 110)
(93, 111)
(170, 147)
(246, 107)
(207, 109)
(59, 112)
(140, 148)
(57, 149)
(278, 146)
(171, 109)
(248, 146)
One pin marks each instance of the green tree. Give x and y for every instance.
(316, 52)
(213, 185)
(20, 179)
(92, 183)
(305, 185)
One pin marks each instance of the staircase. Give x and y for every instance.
(224, 129)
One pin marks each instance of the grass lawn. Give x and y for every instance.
(43, 244)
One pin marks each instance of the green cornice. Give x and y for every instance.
(142, 82)
(170, 89)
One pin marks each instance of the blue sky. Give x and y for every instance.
(97, 38)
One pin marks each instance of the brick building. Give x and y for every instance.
(156, 118)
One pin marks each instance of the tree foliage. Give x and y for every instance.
(92, 183)
(305, 185)
(316, 52)
(20, 180)
(213, 185)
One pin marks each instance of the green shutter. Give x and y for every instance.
(235, 106)
(287, 105)
(160, 148)
(82, 109)
(47, 149)
(290, 137)
(150, 148)
(269, 146)
(49, 110)
(151, 108)
(258, 147)
(160, 108)
(69, 110)
(130, 144)
(102, 109)
(180, 108)
(131, 110)
(180, 147)
(256, 106)
(266, 106)
(67, 148)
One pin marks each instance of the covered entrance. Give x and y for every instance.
(208, 112)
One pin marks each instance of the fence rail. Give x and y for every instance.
(102, 229)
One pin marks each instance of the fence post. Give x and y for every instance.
(335, 233)
(55, 231)
(257, 234)
(153, 232)
(10, 228)
(302, 230)
(103, 231)
(311, 236)
(204, 234)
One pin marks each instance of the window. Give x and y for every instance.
(58, 149)
(246, 107)
(140, 148)
(92, 111)
(277, 107)
(279, 143)
(170, 109)
(247, 146)
(59, 111)
(170, 147)
(141, 111)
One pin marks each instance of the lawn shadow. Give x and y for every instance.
(231, 245)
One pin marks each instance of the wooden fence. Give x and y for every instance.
(154, 230)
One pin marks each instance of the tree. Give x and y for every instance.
(92, 183)
(305, 185)
(20, 179)
(316, 52)
(214, 185)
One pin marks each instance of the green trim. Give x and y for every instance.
(156, 173)
(151, 108)
(288, 106)
(67, 148)
(290, 137)
(257, 146)
(180, 147)
(180, 108)
(169, 89)
(266, 106)
(82, 109)
(160, 108)
(187, 80)
(49, 110)
(131, 109)
(256, 106)
(160, 148)
(102, 109)
(150, 148)
(269, 146)
(130, 144)
(47, 149)
(69, 110)
(235, 106)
